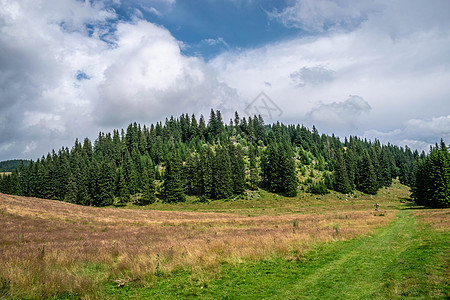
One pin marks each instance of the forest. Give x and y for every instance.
(210, 159)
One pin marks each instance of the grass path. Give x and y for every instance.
(371, 268)
(402, 260)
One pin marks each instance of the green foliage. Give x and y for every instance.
(11, 165)
(341, 179)
(209, 159)
(432, 179)
(173, 188)
(148, 190)
(279, 171)
(367, 179)
(318, 187)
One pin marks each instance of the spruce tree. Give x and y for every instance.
(123, 194)
(223, 183)
(237, 169)
(148, 191)
(105, 185)
(368, 182)
(432, 187)
(288, 172)
(341, 181)
(172, 186)
(254, 180)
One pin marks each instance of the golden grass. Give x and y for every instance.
(438, 219)
(48, 248)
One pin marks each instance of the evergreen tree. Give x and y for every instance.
(105, 185)
(254, 180)
(123, 193)
(237, 169)
(148, 191)
(367, 182)
(350, 164)
(71, 190)
(432, 179)
(223, 183)
(288, 172)
(207, 163)
(341, 182)
(173, 188)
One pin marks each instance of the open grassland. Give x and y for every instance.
(52, 249)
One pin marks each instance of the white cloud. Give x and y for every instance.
(60, 79)
(337, 114)
(437, 125)
(320, 15)
(396, 59)
(415, 133)
(393, 54)
(148, 78)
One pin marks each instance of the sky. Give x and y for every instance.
(377, 69)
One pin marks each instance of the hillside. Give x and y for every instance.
(11, 165)
(186, 157)
(272, 246)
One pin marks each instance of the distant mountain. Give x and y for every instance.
(11, 165)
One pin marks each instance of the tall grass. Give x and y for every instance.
(55, 249)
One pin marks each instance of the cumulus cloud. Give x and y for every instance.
(69, 69)
(395, 58)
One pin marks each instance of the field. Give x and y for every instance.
(261, 246)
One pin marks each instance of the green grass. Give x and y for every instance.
(407, 259)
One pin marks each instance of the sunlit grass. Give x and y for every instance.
(51, 248)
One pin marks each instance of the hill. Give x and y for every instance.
(186, 157)
(11, 165)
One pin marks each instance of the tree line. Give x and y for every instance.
(431, 186)
(210, 160)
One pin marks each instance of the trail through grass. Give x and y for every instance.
(404, 259)
(393, 263)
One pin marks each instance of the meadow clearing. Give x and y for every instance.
(272, 244)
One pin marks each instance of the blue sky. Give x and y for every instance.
(208, 28)
(376, 69)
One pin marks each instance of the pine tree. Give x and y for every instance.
(341, 181)
(207, 163)
(148, 191)
(105, 185)
(254, 180)
(288, 172)
(71, 190)
(350, 164)
(432, 179)
(173, 188)
(223, 183)
(368, 179)
(237, 169)
(123, 193)
(385, 168)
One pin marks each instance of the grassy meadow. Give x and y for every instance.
(259, 245)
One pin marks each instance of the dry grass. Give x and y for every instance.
(438, 219)
(51, 248)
